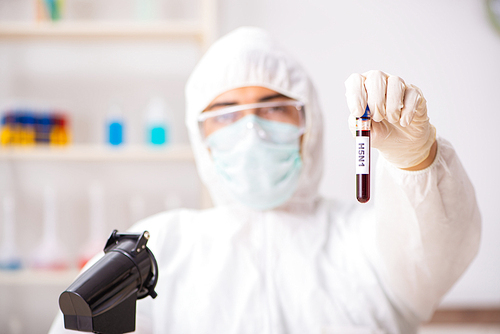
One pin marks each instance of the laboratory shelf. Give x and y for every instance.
(27, 277)
(105, 153)
(102, 29)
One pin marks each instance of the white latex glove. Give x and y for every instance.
(400, 127)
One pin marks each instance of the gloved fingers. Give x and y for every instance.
(380, 132)
(376, 87)
(422, 107)
(356, 94)
(395, 98)
(411, 102)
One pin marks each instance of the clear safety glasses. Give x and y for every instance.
(287, 113)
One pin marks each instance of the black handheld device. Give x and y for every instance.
(103, 298)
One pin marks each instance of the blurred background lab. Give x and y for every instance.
(93, 136)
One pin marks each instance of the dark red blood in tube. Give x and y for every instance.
(363, 125)
(363, 187)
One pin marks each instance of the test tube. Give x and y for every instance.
(363, 125)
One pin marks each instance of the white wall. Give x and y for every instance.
(448, 48)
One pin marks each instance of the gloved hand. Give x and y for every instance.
(400, 127)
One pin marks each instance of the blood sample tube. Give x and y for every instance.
(363, 124)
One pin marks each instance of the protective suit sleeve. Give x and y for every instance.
(428, 229)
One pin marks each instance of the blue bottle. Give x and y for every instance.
(43, 127)
(158, 135)
(115, 126)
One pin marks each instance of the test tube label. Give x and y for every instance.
(362, 155)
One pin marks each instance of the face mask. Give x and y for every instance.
(260, 174)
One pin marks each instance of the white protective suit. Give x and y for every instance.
(312, 265)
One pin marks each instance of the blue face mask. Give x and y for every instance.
(261, 174)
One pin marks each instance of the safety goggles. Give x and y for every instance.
(288, 112)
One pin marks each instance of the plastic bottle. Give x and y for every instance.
(59, 134)
(16, 131)
(27, 135)
(8, 121)
(9, 258)
(49, 254)
(115, 125)
(54, 9)
(43, 127)
(157, 124)
(145, 9)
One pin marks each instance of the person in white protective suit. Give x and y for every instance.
(272, 255)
